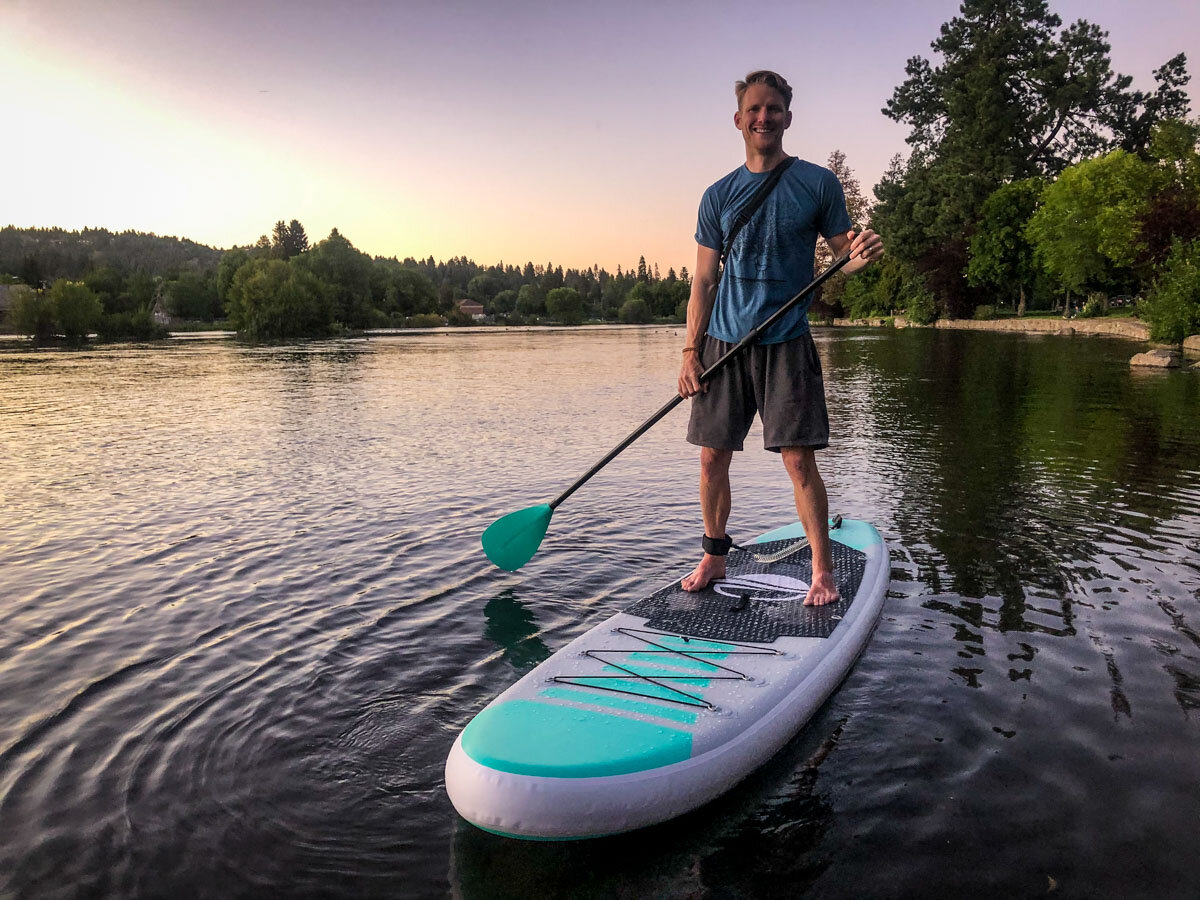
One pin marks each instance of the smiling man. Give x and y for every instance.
(770, 261)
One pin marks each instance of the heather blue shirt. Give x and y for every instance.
(772, 256)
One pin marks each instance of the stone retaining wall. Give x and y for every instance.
(1126, 328)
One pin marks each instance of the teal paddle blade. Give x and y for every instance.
(511, 541)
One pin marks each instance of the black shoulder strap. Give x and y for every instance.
(747, 212)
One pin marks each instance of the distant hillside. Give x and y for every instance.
(44, 254)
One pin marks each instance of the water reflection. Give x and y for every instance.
(242, 602)
(511, 625)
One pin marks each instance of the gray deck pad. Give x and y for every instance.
(757, 602)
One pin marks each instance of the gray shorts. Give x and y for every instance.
(781, 382)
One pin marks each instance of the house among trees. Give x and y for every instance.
(471, 308)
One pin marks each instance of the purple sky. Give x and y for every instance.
(565, 132)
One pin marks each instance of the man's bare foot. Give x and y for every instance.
(710, 569)
(822, 591)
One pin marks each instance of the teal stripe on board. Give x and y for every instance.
(657, 672)
(583, 695)
(678, 643)
(853, 533)
(528, 737)
(640, 688)
(682, 662)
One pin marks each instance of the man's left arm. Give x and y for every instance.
(864, 247)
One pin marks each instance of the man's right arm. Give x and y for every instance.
(704, 294)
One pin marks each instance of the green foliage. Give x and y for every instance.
(193, 296)
(984, 312)
(483, 288)
(424, 320)
(530, 301)
(345, 275)
(1173, 305)
(108, 283)
(46, 254)
(1087, 231)
(566, 305)
(76, 308)
(504, 302)
(1001, 257)
(1014, 95)
(32, 313)
(635, 311)
(138, 325)
(288, 240)
(920, 305)
(886, 289)
(273, 299)
(362, 291)
(1094, 306)
(231, 261)
(400, 290)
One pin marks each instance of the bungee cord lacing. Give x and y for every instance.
(694, 655)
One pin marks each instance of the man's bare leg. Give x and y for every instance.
(812, 503)
(715, 499)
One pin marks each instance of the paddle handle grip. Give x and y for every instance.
(741, 345)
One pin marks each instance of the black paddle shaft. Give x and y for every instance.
(741, 345)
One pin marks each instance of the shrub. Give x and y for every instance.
(985, 311)
(76, 307)
(635, 311)
(32, 313)
(1095, 305)
(1172, 308)
(138, 325)
(921, 307)
(424, 320)
(566, 305)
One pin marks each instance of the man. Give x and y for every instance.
(770, 261)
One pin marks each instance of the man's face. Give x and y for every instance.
(762, 118)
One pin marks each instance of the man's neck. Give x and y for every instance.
(764, 162)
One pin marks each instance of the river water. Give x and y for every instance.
(243, 615)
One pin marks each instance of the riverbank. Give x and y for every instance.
(1133, 329)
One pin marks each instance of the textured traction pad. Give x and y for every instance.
(770, 597)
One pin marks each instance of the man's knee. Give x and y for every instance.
(714, 463)
(801, 465)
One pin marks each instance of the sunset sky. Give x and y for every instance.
(576, 133)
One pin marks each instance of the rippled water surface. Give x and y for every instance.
(243, 615)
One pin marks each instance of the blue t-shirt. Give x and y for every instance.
(772, 257)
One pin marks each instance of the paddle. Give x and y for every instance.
(511, 540)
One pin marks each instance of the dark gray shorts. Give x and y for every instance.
(781, 382)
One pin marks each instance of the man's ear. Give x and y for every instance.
(737, 120)
(787, 120)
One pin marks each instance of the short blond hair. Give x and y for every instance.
(770, 79)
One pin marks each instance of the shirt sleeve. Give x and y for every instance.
(833, 219)
(708, 222)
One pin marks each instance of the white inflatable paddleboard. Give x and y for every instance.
(670, 703)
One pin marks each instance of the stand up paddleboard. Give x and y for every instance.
(670, 703)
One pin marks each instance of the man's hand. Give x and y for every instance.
(689, 375)
(865, 247)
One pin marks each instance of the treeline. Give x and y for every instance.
(37, 255)
(1038, 179)
(282, 287)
